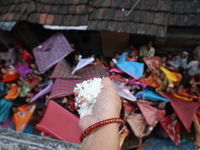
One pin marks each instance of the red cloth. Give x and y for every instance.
(60, 123)
(154, 64)
(171, 129)
(185, 110)
(150, 113)
(11, 76)
(27, 57)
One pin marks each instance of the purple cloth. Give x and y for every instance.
(137, 82)
(23, 70)
(6, 124)
(43, 92)
(51, 51)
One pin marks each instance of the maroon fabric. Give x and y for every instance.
(63, 87)
(60, 123)
(150, 113)
(51, 51)
(92, 71)
(185, 110)
(63, 70)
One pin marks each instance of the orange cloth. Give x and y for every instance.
(22, 117)
(183, 97)
(13, 93)
(152, 81)
(12, 75)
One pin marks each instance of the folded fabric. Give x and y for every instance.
(92, 71)
(128, 108)
(170, 75)
(185, 110)
(154, 64)
(51, 51)
(150, 113)
(5, 106)
(63, 71)
(12, 75)
(115, 70)
(23, 70)
(134, 69)
(82, 63)
(60, 123)
(182, 97)
(44, 91)
(22, 117)
(152, 81)
(125, 93)
(63, 87)
(139, 83)
(13, 92)
(119, 78)
(149, 95)
(137, 124)
(169, 127)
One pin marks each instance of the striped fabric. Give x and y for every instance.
(92, 71)
(63, 87)
(63, 71)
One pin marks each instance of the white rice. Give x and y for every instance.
(88, 92)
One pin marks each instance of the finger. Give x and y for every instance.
(107, 82)
(76, 92)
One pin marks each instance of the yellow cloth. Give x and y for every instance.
(170, 75)
(182, 97)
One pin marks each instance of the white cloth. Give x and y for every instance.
(144, 52)
(193, 68)
(178, 62)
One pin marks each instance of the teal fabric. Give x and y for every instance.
(149, 95)
(168, 144)
(3, 89)
(5, 107)
(134, 69)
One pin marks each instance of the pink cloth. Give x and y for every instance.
(60, 123)
(115, 70)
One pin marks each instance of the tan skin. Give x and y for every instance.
(108, 105)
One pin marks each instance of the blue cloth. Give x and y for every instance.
(149, 95)
(3, 89)
(168, 144)
(5, 106)
(134, 69)
(29, 128)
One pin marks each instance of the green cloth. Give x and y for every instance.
(25, 89)
(36, 71)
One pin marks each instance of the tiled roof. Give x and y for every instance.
(148, 17)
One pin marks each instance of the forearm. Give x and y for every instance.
(103, 138)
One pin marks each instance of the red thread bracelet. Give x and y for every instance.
(101, 123)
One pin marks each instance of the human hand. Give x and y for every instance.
(108, 105)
